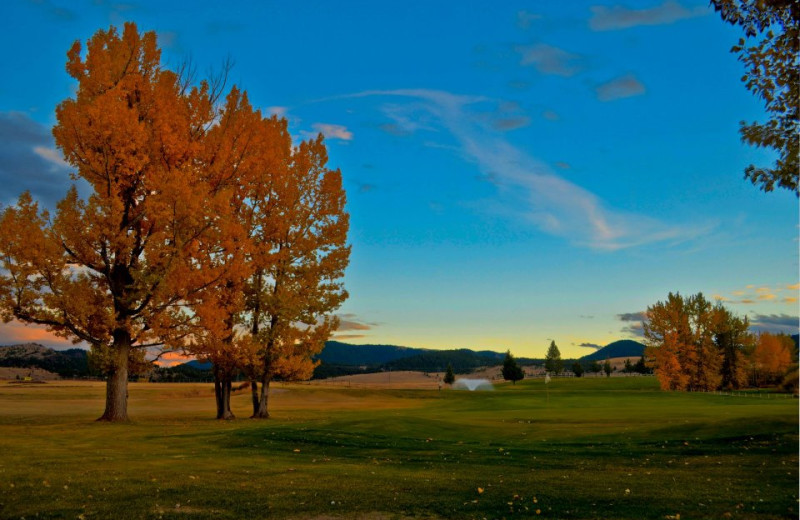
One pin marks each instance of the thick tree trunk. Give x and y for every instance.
(117, 382)
(222, 392)
(254, 394)
(261, 412)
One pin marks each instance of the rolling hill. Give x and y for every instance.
(72, 362)
(338, 353)
(617, 349)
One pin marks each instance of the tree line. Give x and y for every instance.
(206, 230)
(699, 346)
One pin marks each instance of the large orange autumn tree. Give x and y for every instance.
(245, 152)
(695, 345)
(114, 270)
(299, 256)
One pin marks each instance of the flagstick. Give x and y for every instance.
(547, 387)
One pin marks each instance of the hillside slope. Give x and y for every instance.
(617, 349)
(72, 362)
(338, 353)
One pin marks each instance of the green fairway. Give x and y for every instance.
(586, 448)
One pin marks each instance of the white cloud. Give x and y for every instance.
(51, 155)
(619, 88)
(278, 111)
(333, 131)
(620, 17)
(549, 60)
(534, 191)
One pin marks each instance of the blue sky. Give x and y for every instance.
(516, 171)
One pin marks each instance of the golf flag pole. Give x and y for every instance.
(546, 389)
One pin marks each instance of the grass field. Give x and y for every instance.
(598, 448)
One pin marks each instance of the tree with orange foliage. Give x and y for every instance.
(735, 343)
(242, 151)
(113, 270)
(299, 256)
(680, 337)
(772, 357)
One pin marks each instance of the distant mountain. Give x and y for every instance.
(72, 362)
(462, 360)
(339, 359)
(337, 353)
(198, 365)
(621, 348)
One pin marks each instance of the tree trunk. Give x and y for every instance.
(117, 382)
(222, 392)
(254, 395)
(261, 412)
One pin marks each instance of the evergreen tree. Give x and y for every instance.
(607, 368)
(640, 367)
(553, 362)
(511, 370)
(595, 367)
(577, 369)
(449, 377)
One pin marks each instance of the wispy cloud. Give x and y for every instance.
(621, 17)
(549, 60)
(775, 323)
(753, 294)
(51, 155)
(30, 161)
(530, 189)
(278, 111)
(632, 316)
(395, 129)
(511, 123)
(634, 323)
(550, 115)
(526, 18)
(171, 359)
(331, 131)
(57, 12)
(591, 345)
(15, 333)
(350, 322)
(619, 88)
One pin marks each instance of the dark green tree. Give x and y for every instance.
(577, 369)
(772, 73)
(640, 367)
(595, 367)
(628, 366)
(552, 361)
(449, 377)
(511, 370)
(607, 368)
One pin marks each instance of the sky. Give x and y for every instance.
(517, 172)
